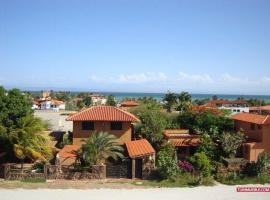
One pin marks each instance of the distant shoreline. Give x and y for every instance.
(158, 96)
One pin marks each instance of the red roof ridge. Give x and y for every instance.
(110, 113)
(265, 120)
(252, 118)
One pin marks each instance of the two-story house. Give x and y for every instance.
(257, 130)
(116, 122)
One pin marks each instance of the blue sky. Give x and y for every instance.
(136, 46)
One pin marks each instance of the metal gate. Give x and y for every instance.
(119, 169)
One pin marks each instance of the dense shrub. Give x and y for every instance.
(258, 168)
(201, 163)
(166, 162)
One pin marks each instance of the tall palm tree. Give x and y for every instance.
(30, 141)
(170, 99)
(184, 101)
(99, 147)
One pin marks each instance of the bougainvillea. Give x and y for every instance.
(185, 166)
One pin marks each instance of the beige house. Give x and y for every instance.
(257, 130)
(102, 118)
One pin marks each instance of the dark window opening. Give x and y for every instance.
(252, 126)
(259, 126)
(116, 125)
(88, 125)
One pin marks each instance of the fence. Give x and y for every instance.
(13, 172)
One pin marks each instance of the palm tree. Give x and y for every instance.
(99, 147)
(170, 100)
(30, 141)
(184, 102)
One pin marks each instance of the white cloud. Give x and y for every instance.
(131, 78)
(265, 80)
(142, 77)
(225, 82)
(195, 77)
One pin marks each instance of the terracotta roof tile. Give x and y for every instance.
(69, 151)
(129, 103)
(138, 148)
(252, 118)
(103, 113)
(168, 133)
(263, 108)
(185, 142)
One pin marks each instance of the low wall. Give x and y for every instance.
(53, 172)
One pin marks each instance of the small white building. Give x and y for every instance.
(237, 106)
(52, 105)
(98, 99)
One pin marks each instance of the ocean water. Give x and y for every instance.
(158, 96)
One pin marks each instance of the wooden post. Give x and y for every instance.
(133, 166)
(6, 171)
(45, 171)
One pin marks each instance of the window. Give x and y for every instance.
(260, 127)
(116, 125)
(252, 126)
(87, 125)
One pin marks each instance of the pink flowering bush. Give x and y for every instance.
(185, 166)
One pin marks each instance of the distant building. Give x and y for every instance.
(236, 106)
(45, 95)
(98, 99)
(52, 105)
(126, 105)
(257, 130)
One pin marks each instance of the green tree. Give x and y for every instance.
(80, 104)
(230, 142)
(152, 123)
(214, 97)
(207, 146)
(262, 164)
(166, 162)
(30, 141)
(15, 105)
(201, 163)
(170, 100)
(99, 147)
(87, 101)
(111, 101)
(184, 102)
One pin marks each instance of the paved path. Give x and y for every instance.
(208, 193)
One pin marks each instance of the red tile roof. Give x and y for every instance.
(69, 151)
(169, 133)
(214, 103)
(129, 103)
(185, 142)
(262, 108)
(252, 118)
(103, 113)
(139, 148)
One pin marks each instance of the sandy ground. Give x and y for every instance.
(56, 120)
(220, 192)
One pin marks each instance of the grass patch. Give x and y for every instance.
(34, 180)
(183, 180)
(240, 179)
